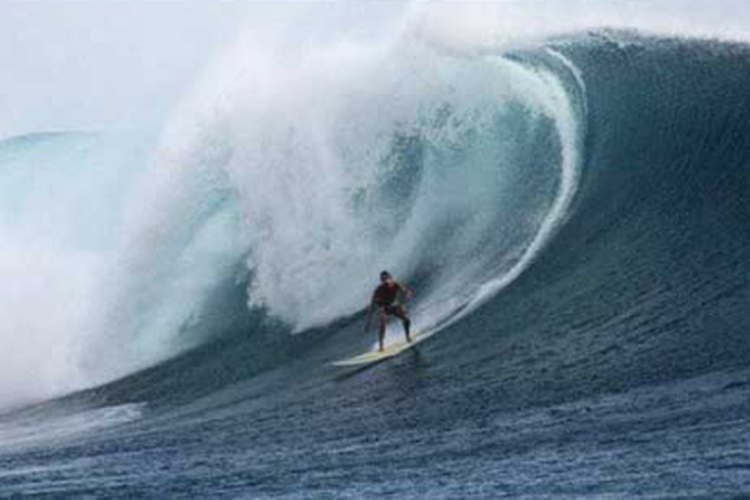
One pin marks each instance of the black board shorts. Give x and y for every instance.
(392, 309)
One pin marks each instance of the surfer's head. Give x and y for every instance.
(385, 276)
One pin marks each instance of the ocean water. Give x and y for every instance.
(573, 215)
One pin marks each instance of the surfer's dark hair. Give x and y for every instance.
(385, 274)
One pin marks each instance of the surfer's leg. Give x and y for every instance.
(400, 313)
(381, 328)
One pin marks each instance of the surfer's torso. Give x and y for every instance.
(385, 295)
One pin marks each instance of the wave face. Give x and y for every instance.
(574, 218)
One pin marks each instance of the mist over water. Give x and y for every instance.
(59, 207)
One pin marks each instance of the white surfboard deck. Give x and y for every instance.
(390, 351)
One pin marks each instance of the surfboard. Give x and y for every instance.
(390, 351)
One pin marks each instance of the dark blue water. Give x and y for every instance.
(615, 366)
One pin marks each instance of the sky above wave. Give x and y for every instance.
(126, 64)
(103, 65)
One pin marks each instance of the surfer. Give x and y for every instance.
(384, 300)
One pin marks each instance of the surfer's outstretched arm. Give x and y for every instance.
(407, 291)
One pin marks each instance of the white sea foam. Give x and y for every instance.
(305, 143)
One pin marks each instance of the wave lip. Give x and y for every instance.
(415, 162)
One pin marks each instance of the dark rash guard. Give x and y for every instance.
(386, 295)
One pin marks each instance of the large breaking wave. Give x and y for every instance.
(292, 179)
(573, 214)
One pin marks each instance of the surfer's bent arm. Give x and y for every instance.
(407, 291)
